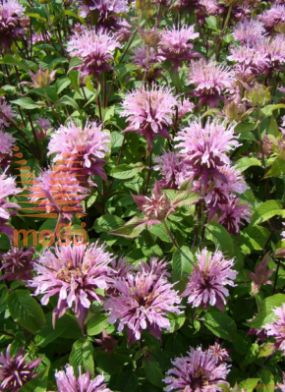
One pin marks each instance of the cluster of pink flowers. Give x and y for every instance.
(199, 371)
(17, 264)
(8, 189)
(205, 153)
(276, 329)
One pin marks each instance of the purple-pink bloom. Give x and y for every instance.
(149, 112)
(11, 16)
(249, 32)
(175, 44)
(207, 284)
(147, 57)
(274, 48)
(105, 8)
(233, 214)
(6, 113)
(142, 301)
(82, 150)
(208, 146)
(211, 81)
(172, 170)
(156, 207)
(276, 329)
(94, 48)
(66, 381)
(209, 7)
(273, 17)
(57, 191)
(249, 60)
(220, 353)
(261, 275)
(73, 273)
(7, 142)
(198, 371)
(16, 371)
(17, 264)
(8, 188)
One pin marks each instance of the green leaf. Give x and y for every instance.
(253, 238)
(125, 171)
(217, 234)
(159, 231)
(66, 100)
(182, 263)
(246, 162)
(153, 372)
(40, 383)
(266, 211)
(25, 310)
(82, 356)
(107, 223)
(220, 324)
(266, 312)
(62, 84)
(269, 109)
(249, 384)
(97, 323)
(277, 168)
(26, 103)
(132, 229)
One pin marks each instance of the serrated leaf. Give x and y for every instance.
(266, 312)
(25, 310)
(245, 163)
(267, 210)
(26, 103)
(97, 323)
(220, 324)
(125, 171)
(82, 356)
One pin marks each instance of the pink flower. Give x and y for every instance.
(7, 189)
(149, 112)
(207, 283)
(67, 382)
(175, 44)
(276, 329)
(7, 142)
(6, 113)
(233, 214)
(273, 17)
(58, 192)
(274, 48)
(172, 170)
(82, 150)
(261, 275)
(249, 32)
(211, 81)
(250, 60)
(198, 371)
(208, 146)
(15, 371)
(156, 207)
(17, 264)
(142, 301)
(95, 49)
(11, 15)
(105, 8)
(146, 57)
(73, 274)
(209, 7)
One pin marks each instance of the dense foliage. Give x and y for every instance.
(142, 191)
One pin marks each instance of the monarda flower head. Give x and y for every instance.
(207, 283)
(149, 112)
(206, 147)
(274, 17)
(94, 48)
(16, 264)
(172, 170)
(249, 60)
(16, 371)
(233, 214)
(198, 371)
(58, 192)
(276, 329)
(274, 49)
(73, 273)
(142, 301)
(81, 150)
(175, 44)
(11, 17)
(249, 32)
(6, 113)
(66, 381)
(211, 81)
(7, 189)
(156, 207)
(7, 142)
